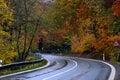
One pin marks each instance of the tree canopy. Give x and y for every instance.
(66, 26)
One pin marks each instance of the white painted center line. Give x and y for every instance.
(63, 71)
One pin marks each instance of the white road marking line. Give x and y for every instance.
(113, 71)
(63, 72)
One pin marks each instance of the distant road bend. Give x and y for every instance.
(68, 68)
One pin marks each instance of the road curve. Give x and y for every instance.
(68, 68)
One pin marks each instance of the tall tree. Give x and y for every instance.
(27, 15)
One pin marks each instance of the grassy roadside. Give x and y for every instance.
(24, 68)
(118, 63)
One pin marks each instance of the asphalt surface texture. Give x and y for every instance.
(66, 68)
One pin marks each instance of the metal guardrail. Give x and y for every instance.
(19, 65)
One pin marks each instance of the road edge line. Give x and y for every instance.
(113, 71)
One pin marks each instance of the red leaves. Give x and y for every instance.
(116, 8)
(82, 9)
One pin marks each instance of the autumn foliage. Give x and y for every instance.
(7, 52)
(116, 8)
(66, 26)
(91, 25)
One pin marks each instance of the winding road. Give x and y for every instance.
(68, 68)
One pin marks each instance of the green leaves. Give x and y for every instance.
(116, 27)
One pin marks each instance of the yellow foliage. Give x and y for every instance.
(7, 52)
(6, 16)
(87, 42)
(29, 58)
(84, 44)
(112, 56)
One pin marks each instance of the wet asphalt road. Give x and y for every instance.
(66, 68)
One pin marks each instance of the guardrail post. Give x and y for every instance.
(9, 70)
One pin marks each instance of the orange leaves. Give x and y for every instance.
(104, 43)
(58, 35)
(90, 23)
(116, 8)
(82, 9)
(112, 39)
(100, 44)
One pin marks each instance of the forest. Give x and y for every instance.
(63, 26)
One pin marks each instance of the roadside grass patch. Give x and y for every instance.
(117, 63)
